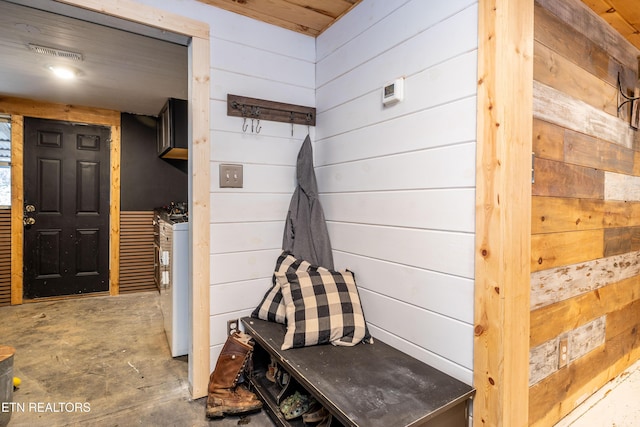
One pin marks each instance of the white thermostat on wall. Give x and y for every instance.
(393, 92)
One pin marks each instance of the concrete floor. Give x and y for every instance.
(617, 404)
(101, 361)
(105, 361)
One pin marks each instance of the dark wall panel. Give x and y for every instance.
(148, 181)
(5, 257)
(136, 252)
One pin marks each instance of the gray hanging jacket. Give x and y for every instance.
(305, 231)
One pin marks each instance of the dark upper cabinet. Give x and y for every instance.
(172, 130)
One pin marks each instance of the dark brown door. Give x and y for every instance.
(66, 196)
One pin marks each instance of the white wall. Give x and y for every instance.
(260, 61)
(253, 59)
(398, 183)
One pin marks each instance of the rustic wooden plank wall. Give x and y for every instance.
(585, 218)
(136, 252)
(5, 257)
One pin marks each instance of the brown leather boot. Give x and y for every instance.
(225, 395)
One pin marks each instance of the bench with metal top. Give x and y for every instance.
(368, 385)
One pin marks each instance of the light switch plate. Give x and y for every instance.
(230, 176)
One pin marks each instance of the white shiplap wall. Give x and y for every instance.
(258, 60)
(398, 183)
(261, 61)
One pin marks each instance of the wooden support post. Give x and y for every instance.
(199, 217)
(114, 210)
(503, 212)
(17, 206)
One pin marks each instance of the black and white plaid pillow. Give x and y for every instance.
(272, 307)
(322, 307)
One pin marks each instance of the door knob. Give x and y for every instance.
(29, 221)
(29, 208)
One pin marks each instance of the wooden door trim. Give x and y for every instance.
(17, 203)
(114, 213)
(18, 108)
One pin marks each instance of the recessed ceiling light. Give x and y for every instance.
(63, 72)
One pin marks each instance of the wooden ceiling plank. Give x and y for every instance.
(629, 12)
(234, 7)
(628, 9)
(277, 12)
(291, 12)
(618, 22)
(309, 17)
(332, 8)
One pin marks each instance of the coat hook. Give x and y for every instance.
(291, 118)
(308, 123)
(245, 125)
(258, 127)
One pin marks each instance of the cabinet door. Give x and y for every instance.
(164, 130)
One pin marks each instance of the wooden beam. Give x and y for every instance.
(503, 212)
(144, 14)
(199, 216)
(17, 203)
(114, 212)
(64, 112)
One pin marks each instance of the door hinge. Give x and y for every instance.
(533, 171)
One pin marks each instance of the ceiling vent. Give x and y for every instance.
(58, 53)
